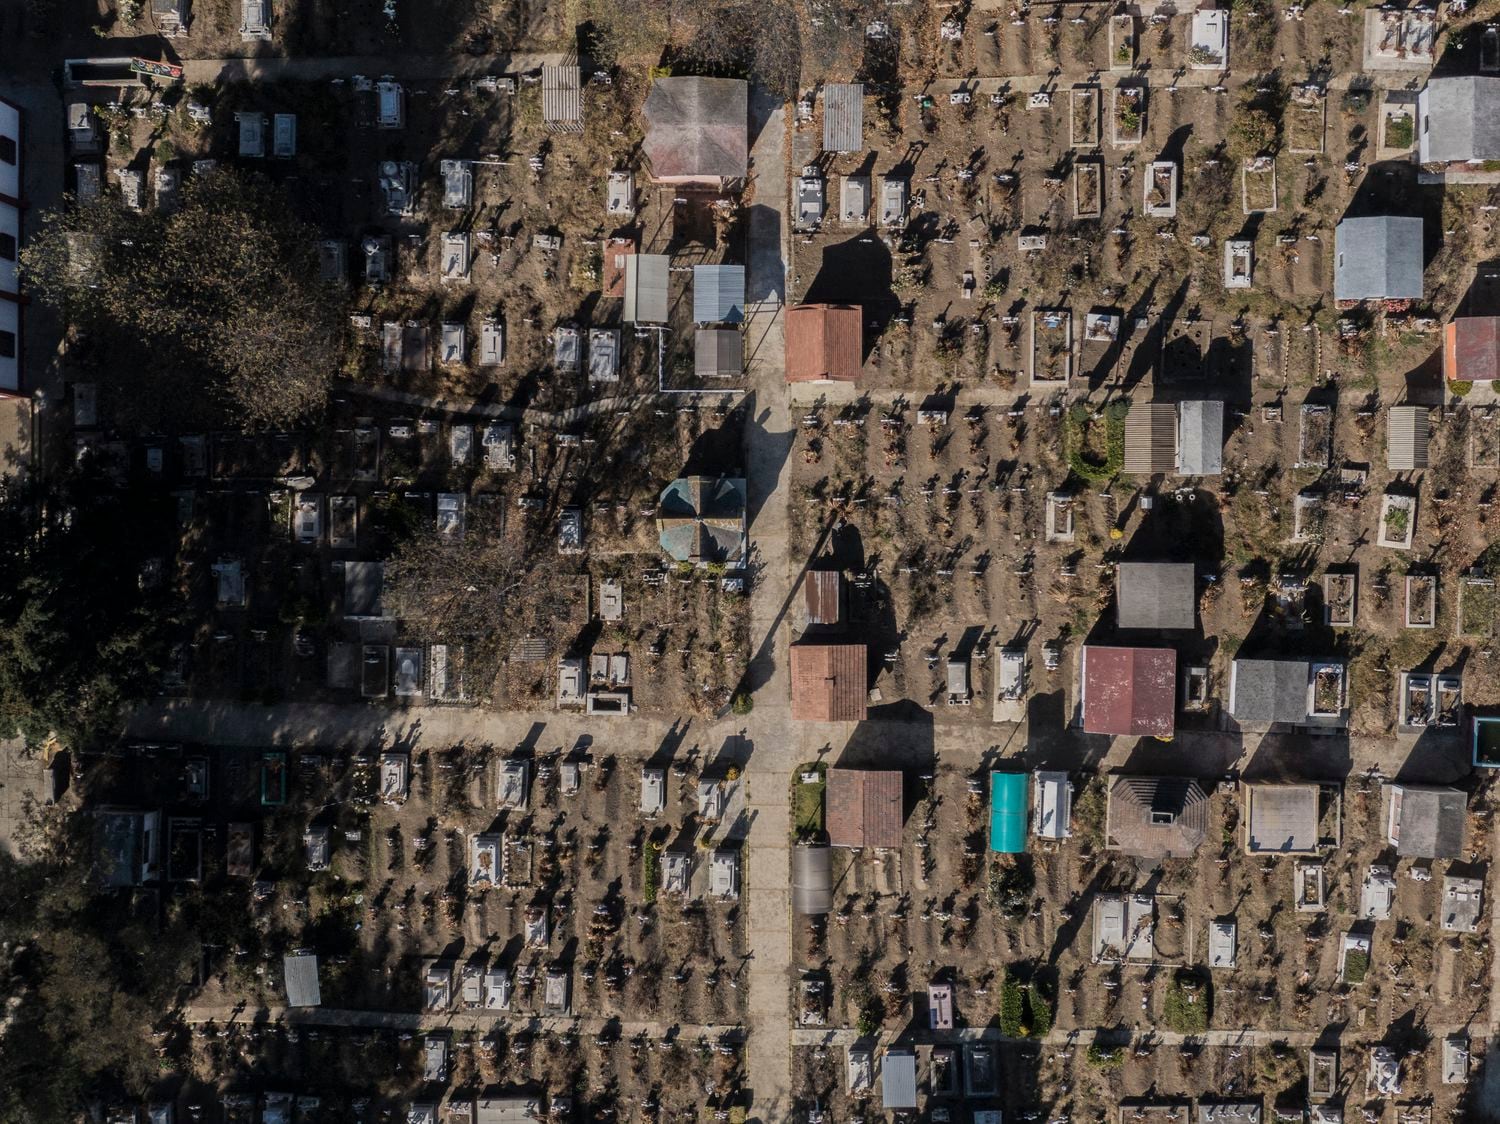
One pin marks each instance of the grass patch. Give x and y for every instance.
(650, 871)
(807, 801)
(1190, 1002)
(1356, 966)
(1106, 1059)
(1399, 131)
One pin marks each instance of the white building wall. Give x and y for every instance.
(10, 366)
(10, 174)
(10, 223)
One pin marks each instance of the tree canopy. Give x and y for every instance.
(208, 313)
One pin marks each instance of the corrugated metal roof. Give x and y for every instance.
(1008, 813)
(562, 101)
(697, 128)
(718, 294)
(1151, 438)
(646, 288)
(812, 880)
(844, 117)
(822, 590)
(898, 1079)
(1200, 430)
(301, 972)
(1407, 431)
(718, 353)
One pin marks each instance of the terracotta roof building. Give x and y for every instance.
(1156, 817)
(697, 129)
(824, 343)
(1129, 691)
(863, 808)
(829, 682)
(701, 520)
(1471, 349)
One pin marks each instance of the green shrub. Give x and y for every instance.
(743, 703)
(1039, 1009)
(651, 871)
(1106, 1058)
(1356, 965)
(1012, 1008)
(1459, 387)
(1075, 424)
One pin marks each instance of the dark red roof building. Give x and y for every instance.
(863, 808)
(1129, 692)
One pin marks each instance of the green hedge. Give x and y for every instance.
(1076, 421)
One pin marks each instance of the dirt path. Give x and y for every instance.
(768, 436)
(428, 1021)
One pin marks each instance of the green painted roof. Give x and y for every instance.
(1008, 812)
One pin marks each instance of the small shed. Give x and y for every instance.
(863, 808)
(697, 129)
(1378, 258)
(719, 294)
(1008, 813)
(562, 99)
(1160, 596)
(300, 970)
(1200, 438)
(1129, 691)
(829, 682)
(1426, 821)
(824, 343)
(1407, 432)
(646, 288)
(1281, 819)
(718, 353)
(812, 879)
(1471, 349)
(823, 594)
(844, 117)
(1155, 817)
(1151, 439)
(898, 1080)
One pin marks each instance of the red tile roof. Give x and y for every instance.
(1471, 349)
(824, 342)
(1129, 691)
(829, 682)
(863, 808)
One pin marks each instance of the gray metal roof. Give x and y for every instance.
(646, 288)
(697, 128)
(301, 972)
(718, 353)
(1378, 258)
(1432, 821)
(898, 1079)
(1269, 690)
(1156, 595)
(718, 294)
(562, 101)
(1407, 430)
(1459, 119)
(844, 117)
(1200, 438)
(812, 879)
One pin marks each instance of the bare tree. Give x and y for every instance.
(209, 313)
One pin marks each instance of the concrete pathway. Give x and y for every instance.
(768, 439)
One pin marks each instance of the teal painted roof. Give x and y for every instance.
(1008, 813)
